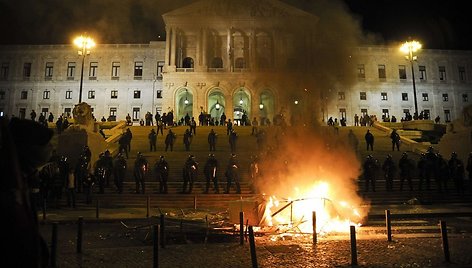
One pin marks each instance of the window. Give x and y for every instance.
(240, 63)
(445, 97)
(382, 73)
(70, 70)
(422, 70)
(138, 69)
(114, 94)
(216, 62)
(93, 70)
(447, 116)
(136, 113)
(45, 111)
(2, 95)
(385, 113)
(383, 96)
(404, 96)
(68, 94)
(24, 95)
(46, 94)
(159, 94)
(462, 77)
(465, 98)
(91, 94)
(442, 73)
(360, 71)
(4, 71)
(49, 70)
(160, 68)
(137, 94)
(115, 70)
(341, 96)
(402, 72)
(22, 113)
(425, 97)
(342, 113)
(363, 96)
(113, 112)
(27, 70)
(67, 111)
(406, 112)
(426, 114)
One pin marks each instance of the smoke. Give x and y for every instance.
(108, 21)
(298, 157)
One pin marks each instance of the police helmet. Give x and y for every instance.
(454, 154)
(161, 157)
(389, 156)
(233, 155)
(211, 155)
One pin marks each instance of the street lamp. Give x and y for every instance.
(84, 44)
(186, 97)
(409, 48)
(217, 105)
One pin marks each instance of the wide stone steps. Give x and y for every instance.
(246, 147)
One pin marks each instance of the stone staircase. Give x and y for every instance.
(245, 148)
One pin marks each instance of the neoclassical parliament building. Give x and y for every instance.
(255, 57)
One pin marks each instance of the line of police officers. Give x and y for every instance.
(430, 167)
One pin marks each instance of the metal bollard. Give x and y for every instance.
(80, 226)
(388, 224)
(195, 202)
(54, 245)
(155, 262)
(148, 203)
(44, 209)
(353, 246)
(315, 235)
(445, 241)
(241, 228)
(97, 209)
(252, 245)
(163, 232)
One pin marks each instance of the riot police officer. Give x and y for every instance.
(189, 174)
(119, 171)
(162, 173)
(210, 169)
(232, 174)
(456, 170)
(406, 168)
(100, 173)
(370, 168)
(212, 140)
(389, 172)
(140, 170)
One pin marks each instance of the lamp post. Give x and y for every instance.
(409, 48)
(84, 44)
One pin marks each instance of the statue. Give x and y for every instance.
(83, 118)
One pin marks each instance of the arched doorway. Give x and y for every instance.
(184, 103)
(266, 106)
(216, 104)
(242, 106)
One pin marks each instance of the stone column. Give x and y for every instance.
(169, 33)
(173, 45)
(205, 47)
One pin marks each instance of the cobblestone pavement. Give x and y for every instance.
(112, 245)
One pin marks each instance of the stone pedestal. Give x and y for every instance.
(72, 141)
(425, 125)
(457, 139)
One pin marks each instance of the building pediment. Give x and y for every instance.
(238, 9)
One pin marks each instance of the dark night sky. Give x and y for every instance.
(438, 24)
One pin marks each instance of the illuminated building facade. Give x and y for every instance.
(230, 58)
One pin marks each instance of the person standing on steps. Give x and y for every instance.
(152, 136)
(212, 136)
(369, 140)
(210, 169)
(140, 171)
(170, 139)
(162, 174)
